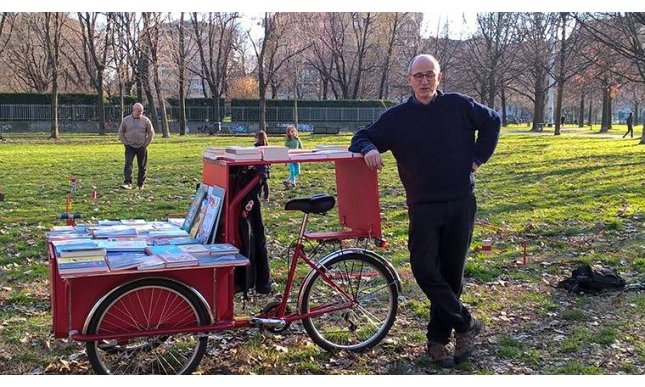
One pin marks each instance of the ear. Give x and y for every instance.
(439, 77)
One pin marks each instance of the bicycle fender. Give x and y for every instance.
(190, 288)
(354, 250)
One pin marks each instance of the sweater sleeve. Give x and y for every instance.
(377, 135)
(121, 132)
(150, 131)
(487, 123)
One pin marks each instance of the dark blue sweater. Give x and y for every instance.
(434, 145)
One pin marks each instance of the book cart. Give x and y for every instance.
(204, 296)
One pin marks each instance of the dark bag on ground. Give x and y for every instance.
(592, 280)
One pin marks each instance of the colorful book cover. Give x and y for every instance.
(221, 248)
(124, 260)
(167, 233)
(208, 228)
(194, 249)
(148, 262)
(122, 245)
(163, 249)
(223, 260)
(93, 252)
(179, 260)
(199, 219)
(176, 241)
(93, 266)
(132, 222)
(194, 207)
(86, 258)
(73, 244)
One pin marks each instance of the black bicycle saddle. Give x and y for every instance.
(316, 204)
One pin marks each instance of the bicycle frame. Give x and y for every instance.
(298, 254)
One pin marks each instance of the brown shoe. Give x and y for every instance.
(440, 355)
(465, 341)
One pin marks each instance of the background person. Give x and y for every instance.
(136, 133)
(292, 141)
(630, 122)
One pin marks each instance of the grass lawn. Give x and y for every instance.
(573, 198)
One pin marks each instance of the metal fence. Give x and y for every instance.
(194, 113)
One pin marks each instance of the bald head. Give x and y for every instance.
(137, 110)
(424, 58)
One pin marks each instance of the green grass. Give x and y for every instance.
(571, 198)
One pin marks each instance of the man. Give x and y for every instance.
(630, 128)
(136, 133)
(432, 138)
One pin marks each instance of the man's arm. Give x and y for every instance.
(373, 140)
(150, 131)
(121, 132)
(487, 123)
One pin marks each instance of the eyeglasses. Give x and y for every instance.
(419, 76)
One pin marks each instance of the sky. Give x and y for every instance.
(435, 12)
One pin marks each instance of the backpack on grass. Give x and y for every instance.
(586, 279)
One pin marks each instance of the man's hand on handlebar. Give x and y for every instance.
(373, 160)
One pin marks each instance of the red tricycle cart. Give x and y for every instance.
(158, 321)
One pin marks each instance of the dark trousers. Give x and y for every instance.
(439, 238)
(142, 161)
(630, 129)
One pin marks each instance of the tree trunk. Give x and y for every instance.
(502, 97)
(54, 110)
(604, 127)
(263, 109)
(558, 107)
(101, 104)
(538, 105)
(581, 113)
(165, 130)
(182, 104)
(609, 109)
(590, 112)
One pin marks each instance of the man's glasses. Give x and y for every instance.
(419, 76)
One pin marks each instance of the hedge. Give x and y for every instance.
(63, 99)
(207, 102)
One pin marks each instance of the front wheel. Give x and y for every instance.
(147, 304)
(370, 310)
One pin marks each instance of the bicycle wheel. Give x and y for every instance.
(358, 327)
(147, 304)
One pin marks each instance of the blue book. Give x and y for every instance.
(122, 245)
(151, 262)
(75, 267)
(194, 207)
(208, 227)
(124, 260)
(74, 244)
(163, 249)
(223, 260)
(176, 241)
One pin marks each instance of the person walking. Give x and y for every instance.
(439, 141)
(292, 141)
(630, 129)
(136, 133)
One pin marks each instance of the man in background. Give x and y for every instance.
(136, 133)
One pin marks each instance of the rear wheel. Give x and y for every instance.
(361, 326)
(143, 305)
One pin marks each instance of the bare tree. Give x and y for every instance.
(25, 53)
(152, 29)
(272, 51)
(214, 36)
(622, 33)
(536, 52)
(489, 53)
(394, 22)
(52, 31)
(96, 44)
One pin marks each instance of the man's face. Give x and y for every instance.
(136, 111)
(424, 79)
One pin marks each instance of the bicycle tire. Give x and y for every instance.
(319, 328)
(135, 304)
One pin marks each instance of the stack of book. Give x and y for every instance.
(274, 153)
(242, 153)
(83, 260)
